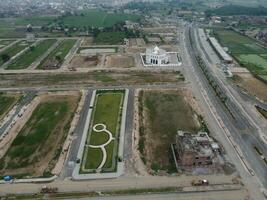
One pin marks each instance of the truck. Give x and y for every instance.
(48, 190)
(201, 182)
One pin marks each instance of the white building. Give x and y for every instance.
(156, 56)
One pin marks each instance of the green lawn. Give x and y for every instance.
(13, 50)
(96, 18)
(107, 110)
(30, 56)
(60, 52)
(6, 102)
(110, 38)
(94, 158)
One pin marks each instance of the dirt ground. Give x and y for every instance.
(252, 85)
(45, 158)
(87, 41)
(85, 61)
(161, 118)
(119, 61)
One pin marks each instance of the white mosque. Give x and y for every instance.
(159, 57)
(156, 56)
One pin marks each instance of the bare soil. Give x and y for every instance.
(252, 85)
(87, 41)
(85, 61)
(119, 61)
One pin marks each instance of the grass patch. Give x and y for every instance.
(12, 51)
(35, 145)
(6, 102)
(94, 158)
(57, 56)
(32, 54)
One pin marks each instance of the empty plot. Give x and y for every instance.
(120, 61)
(162, 113)
(37, 146)
(57, 56)
(103, 134)
(32, 54)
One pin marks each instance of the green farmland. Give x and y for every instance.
(39, 142)
(31, 55)
(58, 55)
(96, 18)
(110, 38)
(12, 51)
(107, 111)
(245, 50)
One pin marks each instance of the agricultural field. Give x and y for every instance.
(245, 50)
(16, 27)
(36, 148)
(6, 102)
(161, 114)
(110, 38)
(32, 54)
(96, 18)
(4, 43)
(13, 50)
(57, 56)
(104, 129)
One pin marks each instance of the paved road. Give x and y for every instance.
(78, 132)
(128, 137)
(214, 195)
(244, 128)
(27, 98)
(214, 111)
(121, 183)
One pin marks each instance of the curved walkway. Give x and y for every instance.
(102, 128)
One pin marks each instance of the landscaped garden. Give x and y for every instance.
(100, 152)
